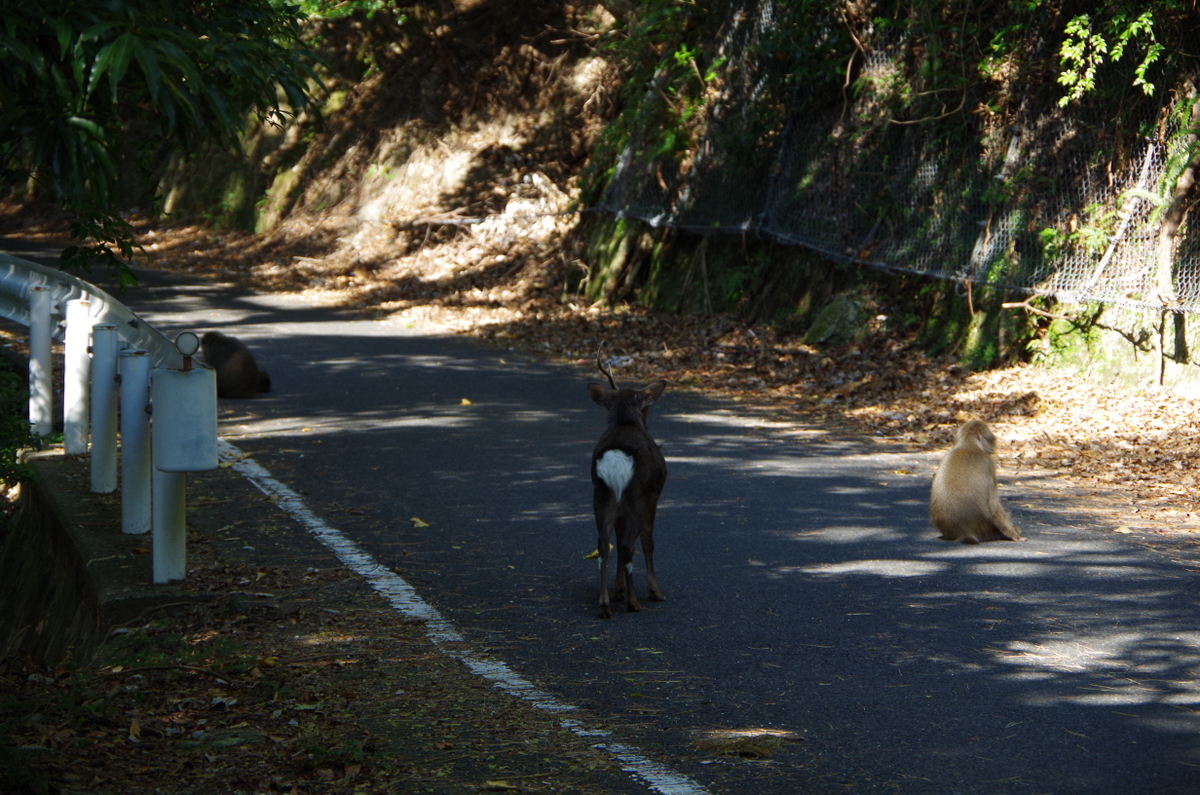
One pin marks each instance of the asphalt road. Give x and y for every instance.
(805, 590)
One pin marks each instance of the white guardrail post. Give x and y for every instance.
(104, 408)
(75, 377)
(135, 442)
(184, 440)
(41, 387)
(169, 542)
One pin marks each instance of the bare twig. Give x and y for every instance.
(1033, 309)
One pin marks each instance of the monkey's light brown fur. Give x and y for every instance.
(964, 503)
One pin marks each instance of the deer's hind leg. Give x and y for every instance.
(626, 548)
(605, 522)
(653, 592)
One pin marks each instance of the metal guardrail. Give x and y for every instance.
(17, 276)
(111, 351)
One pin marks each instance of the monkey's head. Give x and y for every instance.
(976, 433)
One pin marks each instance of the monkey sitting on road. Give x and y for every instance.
(238, 375)
(964, 503)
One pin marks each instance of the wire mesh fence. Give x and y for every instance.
(1068, 202)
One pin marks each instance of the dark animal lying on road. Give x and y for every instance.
(238, 375)
(628, 473)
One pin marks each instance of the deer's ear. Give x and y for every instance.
(653, 392)
(599, 394)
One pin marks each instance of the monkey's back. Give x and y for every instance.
(967, 509)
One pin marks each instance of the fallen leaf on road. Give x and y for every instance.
(418, 523)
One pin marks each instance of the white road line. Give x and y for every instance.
(404, 599)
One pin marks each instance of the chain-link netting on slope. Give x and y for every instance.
(1050, 201)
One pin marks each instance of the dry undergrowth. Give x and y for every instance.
(280, 686)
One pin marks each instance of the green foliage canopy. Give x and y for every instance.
(87, 84)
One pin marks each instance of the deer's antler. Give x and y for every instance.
(604, 367)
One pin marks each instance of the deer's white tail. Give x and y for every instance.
(615, 468)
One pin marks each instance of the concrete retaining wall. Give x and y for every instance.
(68, 575)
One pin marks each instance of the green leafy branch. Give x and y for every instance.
(84, 82)
(1085, 49)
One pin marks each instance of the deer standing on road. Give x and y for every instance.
(628, 473)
